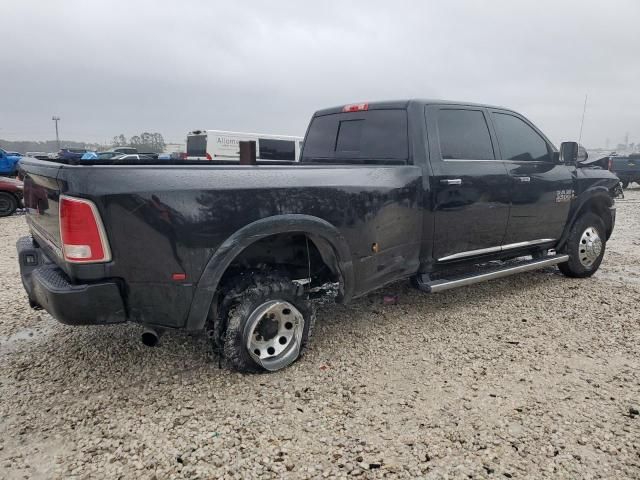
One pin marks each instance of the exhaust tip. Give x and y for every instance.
(150, 337)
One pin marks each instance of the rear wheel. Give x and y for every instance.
(268, 325)
(585, 246)
(8, 204)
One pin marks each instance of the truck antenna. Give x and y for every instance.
(584, 110)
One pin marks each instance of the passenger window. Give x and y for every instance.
(464, 135)
(518, 141)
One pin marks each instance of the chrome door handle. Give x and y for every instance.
(523, 179)
(451, 181)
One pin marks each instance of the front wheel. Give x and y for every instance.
(268, 325)
(585, 247)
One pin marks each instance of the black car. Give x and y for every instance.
(444, 193)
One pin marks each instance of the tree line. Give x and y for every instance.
(48, 146)
(145, 142)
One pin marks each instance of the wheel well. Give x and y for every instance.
(599, 206)
(296, 254)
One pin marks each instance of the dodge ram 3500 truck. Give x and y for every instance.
(426, 190)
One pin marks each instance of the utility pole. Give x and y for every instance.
(57, 119)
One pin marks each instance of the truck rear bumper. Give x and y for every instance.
(74, 304)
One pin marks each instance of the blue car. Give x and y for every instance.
(9, 163)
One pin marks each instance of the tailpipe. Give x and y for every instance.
(150, 336)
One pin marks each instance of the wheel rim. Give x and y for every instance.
(590, 247)
(273, 335)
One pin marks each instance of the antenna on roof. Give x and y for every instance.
(584, 110)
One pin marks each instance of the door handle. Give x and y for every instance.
(523, 179)
(451, 181)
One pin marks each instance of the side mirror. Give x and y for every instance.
(571, 153)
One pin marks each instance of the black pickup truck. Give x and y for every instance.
(446, 194)
(626, 168)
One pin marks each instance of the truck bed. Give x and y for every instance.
(164, 218)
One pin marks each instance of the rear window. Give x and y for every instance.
(376, 136)
(277, 149)
(197, 145)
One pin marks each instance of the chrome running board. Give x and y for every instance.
(442, 284)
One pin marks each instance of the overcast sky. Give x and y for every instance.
(109, 66)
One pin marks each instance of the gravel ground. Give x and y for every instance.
(531, 376)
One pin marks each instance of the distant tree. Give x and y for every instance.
(145, 142)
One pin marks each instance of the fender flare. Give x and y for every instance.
(330, 243)
(590, 195)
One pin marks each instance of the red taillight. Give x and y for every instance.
(209, 157)
(356, 107)
(81, 232)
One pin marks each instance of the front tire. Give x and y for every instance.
(585, 247)
(268, 325)
(8, 204)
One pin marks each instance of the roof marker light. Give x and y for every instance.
(356, 107)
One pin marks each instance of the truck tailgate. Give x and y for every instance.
(41, 197)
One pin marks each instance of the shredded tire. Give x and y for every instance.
(238, 303)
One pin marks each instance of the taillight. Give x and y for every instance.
(356, 107)
(209, 157)
(81, 232)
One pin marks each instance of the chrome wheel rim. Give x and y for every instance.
(590, 247)
(273, 334)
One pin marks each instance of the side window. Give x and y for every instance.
(518, 141)
(464, 135)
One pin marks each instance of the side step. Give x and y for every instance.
(433, 286)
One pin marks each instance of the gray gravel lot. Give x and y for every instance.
(530, 376)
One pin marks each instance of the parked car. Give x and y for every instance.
(71, 153)
(9, 163)
(10, 195)
(626, 168)
(132, 157)
(446, 194)
(127, 150)
(223, 145)
(38, 155)
(108, 154)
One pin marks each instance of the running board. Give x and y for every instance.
(442, 284)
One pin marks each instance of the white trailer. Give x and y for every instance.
(224, 145)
